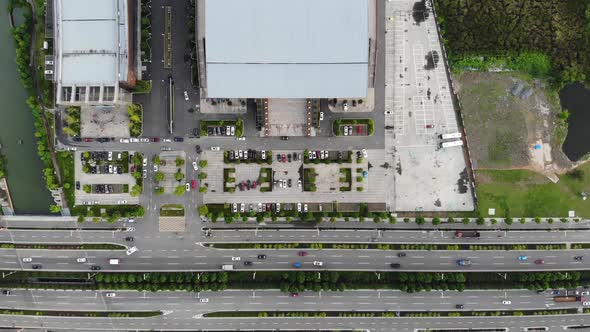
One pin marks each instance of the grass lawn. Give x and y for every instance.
(524, 193)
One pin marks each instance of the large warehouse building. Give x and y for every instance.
(93, 49)
(285, 48)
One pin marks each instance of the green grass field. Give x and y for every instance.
(523, 193)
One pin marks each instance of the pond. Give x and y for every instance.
(25, 180)
(576, 99)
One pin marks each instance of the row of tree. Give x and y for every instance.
(522, 34)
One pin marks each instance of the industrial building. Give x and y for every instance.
(292, 49)
(93, 50)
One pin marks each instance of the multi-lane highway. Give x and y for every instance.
(185, 310)
(198, 258)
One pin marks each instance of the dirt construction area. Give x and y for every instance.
(509, 122)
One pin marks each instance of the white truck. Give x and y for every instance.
(227, 267)
(114, 261)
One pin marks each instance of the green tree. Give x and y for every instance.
(179, 161)
(203, 210)
(203, 163)
(159, 176)
(179, 190)
(136, 190)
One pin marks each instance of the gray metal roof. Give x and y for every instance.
(287, 48)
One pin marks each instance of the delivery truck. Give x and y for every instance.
(567, 298)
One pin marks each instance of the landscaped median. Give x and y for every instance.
(51, 246)
(389, 314)
(294, 281)
(381, 246)
(172, 210)
(98, 314)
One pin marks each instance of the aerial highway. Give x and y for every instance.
(200, 258)
(185, 310)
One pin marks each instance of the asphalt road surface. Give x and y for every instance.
(184, 310)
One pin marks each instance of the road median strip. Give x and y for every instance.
(64, 246)
(87, 314)
(387, 314)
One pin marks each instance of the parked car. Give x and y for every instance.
(178, 139)
(215, 148)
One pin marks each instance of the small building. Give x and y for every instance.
(93, 49)
(517, 89)
(526, 93)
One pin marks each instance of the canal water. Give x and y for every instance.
(576, 99)
(27, 186)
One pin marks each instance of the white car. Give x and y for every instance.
(134, 140)
(49, 72)
(111, 169)
(227, 130)
(245, 154)
(145, 161)
(241, 138)
(318, 263)
(585, 293)
(242, 207)
(27, 259)
(166, 140)
(259, 207)
(144, 140)
(204, 300)
(131, 250)
(110, 156)
(110, 294)
(321, 116)
(81, 260)
(506, 302)
(236, 258)
(195, 167)
(187, 186)
(145, 173)
(278, 208)
(234, 207)
(215, 148)
(122, 202)
(186, 95)
(299, 183)
(298, 207)
(365, 154)
(124, 140)
(304, 207)
(345, 131)
(155, 167)
(263, 155)
(586, 303)
(49, 62)
(388, 112)
(233, 130)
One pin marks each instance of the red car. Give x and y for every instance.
(294, 294)
(539, 261)
(283, 158)
(194, 184)
(302, 253)
(358, 129)
(155, 139)
(429, 126)
(88, 139)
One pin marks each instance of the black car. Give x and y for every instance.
(395, 265)
(37, 266)
(178, 139)
(210, 131)
(95, 268)
(579, 258)
(222, 130)
(198, 148)
(285, 138)
(261, 256)
(289, 183)
(247, 263)
(77, 139)
(129, 238)
(289, 157)
(294, 156)
(401, 254)
(388, 127)
(6, 292)
(278, 157)
(196, 131)
(103, 139)
(459, 306)
(77, 185)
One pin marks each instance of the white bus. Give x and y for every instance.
(449, 136)
(452, 143)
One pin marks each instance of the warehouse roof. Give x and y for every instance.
(287, 48)
(88, 35)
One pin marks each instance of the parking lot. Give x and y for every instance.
(373, 185)
(418, 100)
(103, 178)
